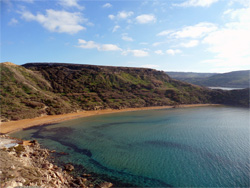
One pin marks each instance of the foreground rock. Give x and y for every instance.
(27, 164)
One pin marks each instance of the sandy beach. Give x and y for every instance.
(13, 126)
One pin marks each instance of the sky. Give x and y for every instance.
(168, 35)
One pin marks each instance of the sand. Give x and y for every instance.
(13, 126)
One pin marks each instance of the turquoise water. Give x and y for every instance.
(189, 147)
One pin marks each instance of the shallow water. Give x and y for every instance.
(189, 147)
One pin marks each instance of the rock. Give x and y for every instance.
(84, 179)
(86, 175)
(20, 179)
(26, 143)
(13, 167)
(37, 170)
(47, 166)
(25, 155)
(34, 142)
(69, 167)
(73, 184)
(79, 181)
(44, 153)
(35, 153)
(63, 153)
(105, 185)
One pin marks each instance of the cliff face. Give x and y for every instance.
(35, 89)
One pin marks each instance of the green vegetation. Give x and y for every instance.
(37, 89)
(236, 79)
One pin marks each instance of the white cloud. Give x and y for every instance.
(116, 28)
(122, 15)
(87, 44)
(107, 5)
(157, 43)
(70, 3)
(100, 47)
(173, 52)
(151, 66)
(159, 52)
(231, 43)
(239, 15)
(139, 53)
(111, 16)
(13, 21)
(136, 53)
(196, 31)
(126, 37)
(146, 18)
(109, 47)
(196, 3)
(245, 3)
(163, 33)
(190, 44)
(58, 21)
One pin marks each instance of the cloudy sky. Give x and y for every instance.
(169, 35)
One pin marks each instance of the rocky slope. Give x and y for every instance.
(37, 89)
(27, 165)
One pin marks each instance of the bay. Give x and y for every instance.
(225, 88)
(182, 147)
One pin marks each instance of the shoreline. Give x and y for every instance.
(27, 164)
(14, 126)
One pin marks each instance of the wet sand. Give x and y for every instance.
(13, 126)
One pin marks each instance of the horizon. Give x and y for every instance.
(128, 67)
(181, 36)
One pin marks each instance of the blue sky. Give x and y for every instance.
(169, 35)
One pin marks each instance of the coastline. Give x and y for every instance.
(14, 126)
(27, 164)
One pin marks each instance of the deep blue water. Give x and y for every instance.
(189, 147)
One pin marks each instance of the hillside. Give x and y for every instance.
(26, 94)
(37, 89)
(235, 79)
(189, 75)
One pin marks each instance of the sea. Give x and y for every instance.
(225, 88)
(178, 147)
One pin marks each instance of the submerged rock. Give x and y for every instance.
(105, 185)
(69, 167)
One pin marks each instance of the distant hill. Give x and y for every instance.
(235, 79)
(187, 75)
(37, 89)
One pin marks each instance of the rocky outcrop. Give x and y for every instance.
(28, 165)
